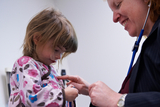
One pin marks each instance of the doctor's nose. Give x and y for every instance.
(116, 17)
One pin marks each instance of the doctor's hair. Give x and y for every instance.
(155, 9)
(50, 23)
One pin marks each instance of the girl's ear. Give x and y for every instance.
(36, 38)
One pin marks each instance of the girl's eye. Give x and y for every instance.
(56, 50)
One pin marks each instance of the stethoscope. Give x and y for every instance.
(136, 45)
(63, 72)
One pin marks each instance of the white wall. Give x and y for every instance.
(104, 50)
(104, 47)
(14, 17)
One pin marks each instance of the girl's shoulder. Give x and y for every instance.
(24, 59)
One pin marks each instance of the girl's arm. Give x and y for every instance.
(29, 90)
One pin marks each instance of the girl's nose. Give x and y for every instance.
(116, 17)
(58, 56)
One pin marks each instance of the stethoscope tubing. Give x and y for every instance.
(135, 49)
(136, 45)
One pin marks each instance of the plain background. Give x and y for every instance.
(104, 49)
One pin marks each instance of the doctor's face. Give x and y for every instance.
(130, 14)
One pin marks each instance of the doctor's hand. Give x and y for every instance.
(102, 96)
(78, 83)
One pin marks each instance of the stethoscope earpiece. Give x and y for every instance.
(149, 4)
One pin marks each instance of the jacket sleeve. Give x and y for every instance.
(32, 91)
(143, 99)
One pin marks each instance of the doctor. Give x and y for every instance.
(141, 87)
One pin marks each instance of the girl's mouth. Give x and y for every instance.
(53, 61)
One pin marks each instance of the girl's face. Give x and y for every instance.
(131, 14)
(47, 55)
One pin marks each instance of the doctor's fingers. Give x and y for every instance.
(96, 84)
(94, 93)
(94, 88)
(69, 77)
(78, 86)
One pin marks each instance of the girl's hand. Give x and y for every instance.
(78, 83)
(70, 93)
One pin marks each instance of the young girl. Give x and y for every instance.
(49, 37)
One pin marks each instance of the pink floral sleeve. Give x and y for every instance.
(28, 89)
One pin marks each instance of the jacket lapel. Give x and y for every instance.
(137, 64)
(133, 76)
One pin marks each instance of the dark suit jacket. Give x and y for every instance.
(144, 86)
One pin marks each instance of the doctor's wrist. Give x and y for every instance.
(121, 101)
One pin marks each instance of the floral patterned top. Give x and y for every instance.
(28, 89)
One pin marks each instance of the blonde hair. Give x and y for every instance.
(50, 23)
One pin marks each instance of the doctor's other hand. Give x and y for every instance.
(70, 93)
(102, 96)
(78, 83)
